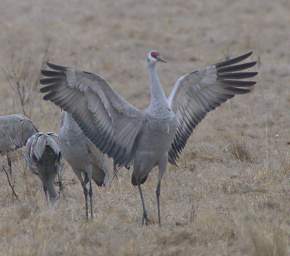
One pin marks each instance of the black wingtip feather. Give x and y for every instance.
(237, 75)
(50, 73)
(234, 60)
(239, 83)
(45, 81)
(48, 88)
(235, 68)
(49, 95)
(56, 67)
(239, 90)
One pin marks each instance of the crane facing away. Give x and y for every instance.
(43, 157)
(85, 159)
(156, 135)
(14, 132)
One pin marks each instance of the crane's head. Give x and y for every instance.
(153, 57)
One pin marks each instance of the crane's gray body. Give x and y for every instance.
(43, 157)
(150, 153)
(80, 153)
(14, 132)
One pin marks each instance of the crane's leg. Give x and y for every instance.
(59, 177)
(115, 173)
(82, 178)
(158, 201)
(86, 201)
(89, 174)
(91, 199)
(145, 219)
(162, 169)
(60, 185)
(86, 180)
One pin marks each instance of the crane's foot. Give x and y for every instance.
(146, 221)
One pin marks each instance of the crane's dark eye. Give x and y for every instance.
(154, 54)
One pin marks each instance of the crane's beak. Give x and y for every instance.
(159, 58)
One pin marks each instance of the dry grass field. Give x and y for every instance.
(230, 194)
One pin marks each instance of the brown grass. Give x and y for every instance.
(240, 152)
(230, 194)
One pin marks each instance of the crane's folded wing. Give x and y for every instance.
(14, 131)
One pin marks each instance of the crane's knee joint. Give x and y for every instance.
(158, 190)
(85, 191)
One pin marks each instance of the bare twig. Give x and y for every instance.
(9, 183)
(9, 164)
(22, 76)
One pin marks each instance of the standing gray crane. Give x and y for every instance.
(156, 135)
(85, 159)
(43, 157)
(14, 132)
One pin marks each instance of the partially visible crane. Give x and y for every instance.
(15, 130)
(87, 162)
(43, 157)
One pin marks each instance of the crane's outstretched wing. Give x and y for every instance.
(109, 121)
(197, 93)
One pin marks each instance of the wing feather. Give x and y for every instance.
(197, 93)
(109, 121)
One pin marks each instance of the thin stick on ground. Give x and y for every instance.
(10, 184)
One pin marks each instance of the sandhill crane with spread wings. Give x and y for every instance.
(14, 132)
(151, 137)
(87, 162)
(43, 157)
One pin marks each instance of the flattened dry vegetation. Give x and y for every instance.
(230, 193)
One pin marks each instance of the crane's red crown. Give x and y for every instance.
(155, 54)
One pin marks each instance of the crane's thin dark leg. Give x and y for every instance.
(9, 164)
(86, 200)
(158, 201)
(145, 219)
(162, 169)
(115, 174)
(60, 185)
(91, 198)
(88, 180)
(84, 184)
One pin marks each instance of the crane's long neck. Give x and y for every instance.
(158, 97)
(51, 191)
(68, 121)
(48, 186)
